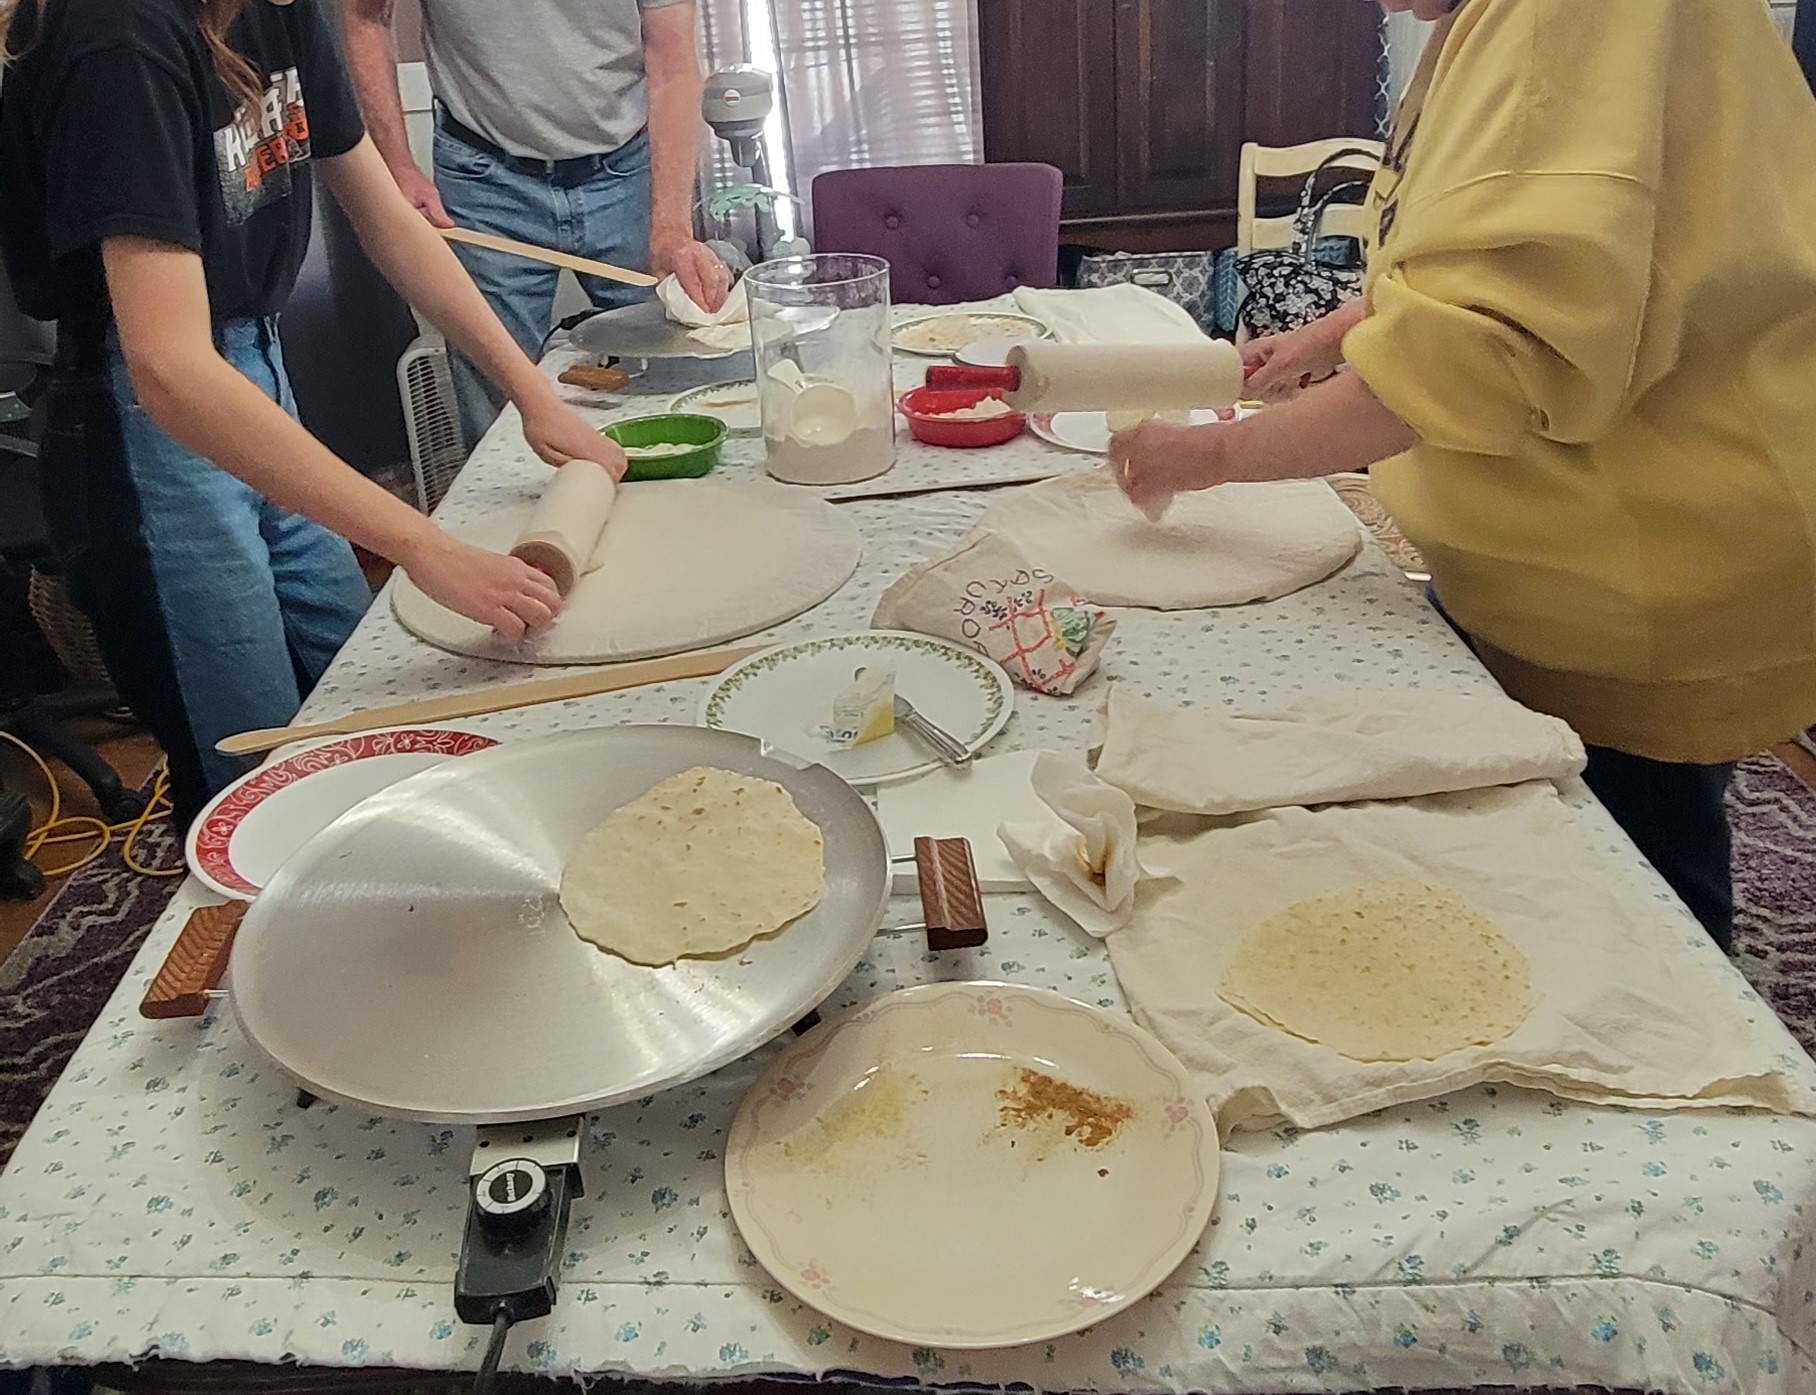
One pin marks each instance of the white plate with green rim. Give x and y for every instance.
(784, 697)
(944, 334)
(735, 404)
(972, 1165)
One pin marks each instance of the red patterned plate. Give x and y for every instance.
(253, 825)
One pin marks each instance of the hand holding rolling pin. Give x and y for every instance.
(559, 434)
(511, 596)
(1281, 366)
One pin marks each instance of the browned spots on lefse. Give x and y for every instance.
(1087, 1118)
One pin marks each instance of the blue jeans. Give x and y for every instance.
(597, 207)
(215, 609)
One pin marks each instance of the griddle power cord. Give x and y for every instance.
(488, 1369)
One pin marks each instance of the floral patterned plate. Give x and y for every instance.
(250, 828)
(967, 1165)
(784, 696)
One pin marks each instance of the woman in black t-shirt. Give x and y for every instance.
(156, 158)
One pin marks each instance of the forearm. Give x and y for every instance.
(674, 150)
(371, 48)
(415, 259)
(199, 399)
(1338, 426)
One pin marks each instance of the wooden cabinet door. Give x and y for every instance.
(1180, 81)
(1312, 69)
(1048, 69)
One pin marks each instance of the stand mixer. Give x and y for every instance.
(737, 104)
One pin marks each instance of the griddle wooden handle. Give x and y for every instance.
(701, 664)
(196, 963)
(952, 902)
(594, 379)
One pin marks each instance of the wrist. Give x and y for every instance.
(668, 234)
(406, 539)
(532, 393)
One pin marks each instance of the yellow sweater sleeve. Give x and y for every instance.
(1511, 286)
(1512, 304)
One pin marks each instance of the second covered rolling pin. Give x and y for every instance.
(1125, 377)
(563, 534)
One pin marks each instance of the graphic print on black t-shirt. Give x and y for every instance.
(256, 152)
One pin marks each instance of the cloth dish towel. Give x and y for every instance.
(1328, 749)
(1082, 859)
(728, 327)
(1635, 1007)
(988, 596)
(1110, 315)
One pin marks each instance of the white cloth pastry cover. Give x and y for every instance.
(1139, 379)
(1335, 748)
(1123, 314)
(1226, 546)
(1635, 1006)
(685, 564)
(566, 529)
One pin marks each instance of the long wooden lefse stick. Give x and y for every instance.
(531, 252)
(609, 680)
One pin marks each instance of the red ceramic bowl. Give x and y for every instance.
(923, 407)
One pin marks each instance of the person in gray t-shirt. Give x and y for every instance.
(571, 124)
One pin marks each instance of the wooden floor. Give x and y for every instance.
(128, 749)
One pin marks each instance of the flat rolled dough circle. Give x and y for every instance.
(682, 564)
(703, 864)
(1226, 546)
(1390, 971)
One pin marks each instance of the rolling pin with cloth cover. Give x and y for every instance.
(1136, 378)
(567, 526)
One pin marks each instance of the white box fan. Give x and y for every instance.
(431, 419)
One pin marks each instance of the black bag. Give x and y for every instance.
(1188, 279)
(1285, 288)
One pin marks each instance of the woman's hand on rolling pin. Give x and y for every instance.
(557, 433)
(1154, 461)
(1281, 366)
(511, 596)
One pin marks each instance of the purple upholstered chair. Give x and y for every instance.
(949, 232)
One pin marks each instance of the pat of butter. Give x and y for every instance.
(865, 711)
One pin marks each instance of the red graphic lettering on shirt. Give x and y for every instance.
(265, 137)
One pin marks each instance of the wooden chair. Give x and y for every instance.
(1293, 165)
(1297, 163)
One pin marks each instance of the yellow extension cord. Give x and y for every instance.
(57, 830)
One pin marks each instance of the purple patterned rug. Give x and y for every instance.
(58, 980)
(54, 985)
(1774, 818)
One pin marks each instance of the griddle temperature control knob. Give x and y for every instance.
(512, 1196)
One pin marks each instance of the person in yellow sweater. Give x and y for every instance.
(1584, 362)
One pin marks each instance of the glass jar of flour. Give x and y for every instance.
(822, 336)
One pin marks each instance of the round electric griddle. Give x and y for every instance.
(643, 330)
(413, 959)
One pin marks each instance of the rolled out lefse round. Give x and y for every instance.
(1125, 377)
(563, 534)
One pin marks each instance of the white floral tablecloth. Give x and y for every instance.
(172, 1200)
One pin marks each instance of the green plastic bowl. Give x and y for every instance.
(705, 434)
